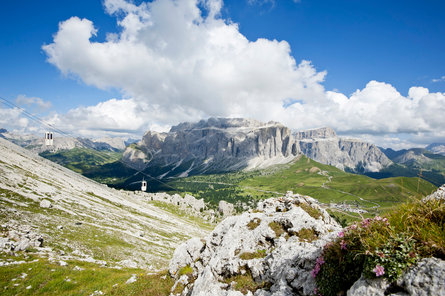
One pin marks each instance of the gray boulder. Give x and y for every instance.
(44, 203)
(425, 278)
(225, 208)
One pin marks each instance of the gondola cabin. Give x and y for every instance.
(144, 185)
(49, 141)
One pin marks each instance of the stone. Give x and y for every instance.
(22, 245)
(44, 203)
(225, 208)
(425, 278)
(132, 279)
(372, 287)
(439, 194)
(186, 254)
(62, 263)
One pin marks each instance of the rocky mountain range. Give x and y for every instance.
(414, 162)
(229, 144)
(438, 148)
(37, 144)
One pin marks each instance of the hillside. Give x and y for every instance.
(412, 162)
(79, 219)
(305, 176)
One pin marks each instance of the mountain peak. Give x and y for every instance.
(222, 123)
(318, 133)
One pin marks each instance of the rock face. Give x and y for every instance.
(345, 154)
(273, 248)
(229, 144)
(215, 145)
(425, 278)
(226, 208)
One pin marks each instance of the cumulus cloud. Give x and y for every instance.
(112, 117)
(13, 120)
(36, 102)
(180, 61)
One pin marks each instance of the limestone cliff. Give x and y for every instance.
(229, 144)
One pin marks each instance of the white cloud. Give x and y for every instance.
(118, 117)
(439, 79)
(177, 65)
(13, 120)
(40, 104)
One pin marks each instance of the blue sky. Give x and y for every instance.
(380, 48)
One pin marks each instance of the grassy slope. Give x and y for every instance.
(81, 160)
(39, 276)
(302, 176)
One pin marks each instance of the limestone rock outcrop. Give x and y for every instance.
(273, 248)
(439, 194)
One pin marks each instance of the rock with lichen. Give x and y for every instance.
(267, 251)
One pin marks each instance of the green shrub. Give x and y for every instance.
(245, 283)
(307, 234)
(382, 247)
(254, 255)
(313, 212)
(277, 228)
(254, 223)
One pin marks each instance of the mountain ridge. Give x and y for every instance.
(228, 144)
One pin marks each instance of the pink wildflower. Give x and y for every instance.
(379, 270)
(320, 261)
(343, 245)
(315, 271)
(341, 234)
(353, 226)
(366, 222)
(318, 264)
(378, 218)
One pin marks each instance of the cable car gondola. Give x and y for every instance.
(49, 141)
(144, 185)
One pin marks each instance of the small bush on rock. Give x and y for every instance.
(245, 282)
(254, 223)
(307, 234)
(277, 228)
(313, 212)
(254, 255)
(381, 247)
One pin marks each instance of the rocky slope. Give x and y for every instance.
(270, 250)
(225, 144)
(274, 250)
(63, 215)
